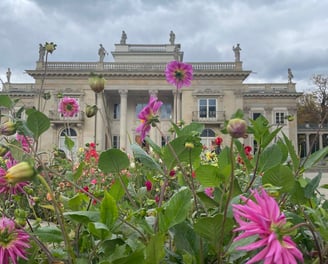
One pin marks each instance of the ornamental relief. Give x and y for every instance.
(207, 91)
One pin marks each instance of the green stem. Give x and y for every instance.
(230, 191)
(60, 219)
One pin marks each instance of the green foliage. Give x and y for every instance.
(38, 123)
(113, 160)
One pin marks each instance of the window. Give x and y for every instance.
(207, 108)
(166, 111)
(280, 118)
(256, 115)
(207, 137)
(116, 113)
(71, 133)
(164, 140)
(116, 142)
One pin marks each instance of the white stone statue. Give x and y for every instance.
(172, 37)
(290, 75)
(123, 38)
(102, 53)
(237, 50)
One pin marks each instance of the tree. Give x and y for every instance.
(308, 110)
(320, 92)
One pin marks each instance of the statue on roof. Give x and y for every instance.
(123, 38)
(8, 74)
(237, 50)
(102, 53)
(42, 52)
(290, 75)
(172, 37)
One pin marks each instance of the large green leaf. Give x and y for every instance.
(6, 101)
(37, 123)
(113, 160)
(269, 158)
(83, 216)
(108, 210)
(315, 157)
(69, 143)
(312, 186)
(191, 129)
(292, 153)
(98, 229)
(175, 210)
(144, 158)
(208, 175)
(51, 234)
(280, 176)
(155, 249)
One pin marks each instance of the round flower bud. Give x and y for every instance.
(97, 83)
(189, 145)
(237, 128)
(8, 128)
(20, 172)
(91, 110)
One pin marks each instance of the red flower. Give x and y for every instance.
(172, 173)
(148, 185)
(218, 141)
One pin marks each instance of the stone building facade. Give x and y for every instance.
(218, 89)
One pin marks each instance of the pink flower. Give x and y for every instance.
(148, 115)
(209, 192)
(178, 73)
(94, 181)
(148, 185)
(68, 107)
(263, 218)
(13, 242)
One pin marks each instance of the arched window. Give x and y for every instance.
(70, 133)
(207, 136)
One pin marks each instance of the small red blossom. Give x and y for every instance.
(193, 174)
(148, 185)
(218, 141)
(93, 181)
(172, 173)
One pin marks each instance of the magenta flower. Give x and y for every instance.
(209, 192)
(178, 73)
(13, 242)
(68, 107)
(262, 218)
(148, 185)
(148, 116)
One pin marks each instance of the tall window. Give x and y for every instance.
(166, 111)
(207, 108)
(70, 133)
(280, 117)
(116, 142)
(116, 112)
(207, 136)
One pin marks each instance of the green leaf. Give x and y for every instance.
(116, 190)
(312, 186)
(315, 157)
(113, 160)
(208, 176)
(191, 129)
(108, 210)
(78, 173)
(145, 159)
(134, 257)
(280, 176)
(6, 101)
(98, 229)
(155, 249)
(51, 234)
(37, 123)
(292, 153)
(153, 145)
(69, 143)
(75, 202)
(269, 158)
(83, 217)
(175, 210)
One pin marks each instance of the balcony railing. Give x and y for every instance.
(208, 117)
(56, 117)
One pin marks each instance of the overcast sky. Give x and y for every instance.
(274, 35)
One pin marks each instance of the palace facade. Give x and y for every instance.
(218, 89)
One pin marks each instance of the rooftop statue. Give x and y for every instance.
(102, 53)
(42, 51)
(290, 75)
(237, 50)
(123, 38)
(8, 74)
(172, 37)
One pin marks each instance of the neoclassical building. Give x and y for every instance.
(218, 89)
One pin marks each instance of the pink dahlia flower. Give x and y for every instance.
(68, 107)
(178, 74)
(262, 218)
(148, 115)
(13, 242)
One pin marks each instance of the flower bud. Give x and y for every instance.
(290, 118)
(237, 128)
(91, 110)
(50, 47)
(20, 172)
(3, 150)
(97, 83)
(46, 96)
(189, 145)
(8, 128)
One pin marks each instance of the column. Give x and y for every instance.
(124, 104)
(179, 105)
(307, 135)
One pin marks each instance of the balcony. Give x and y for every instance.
(208, 117)
(57, 118)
